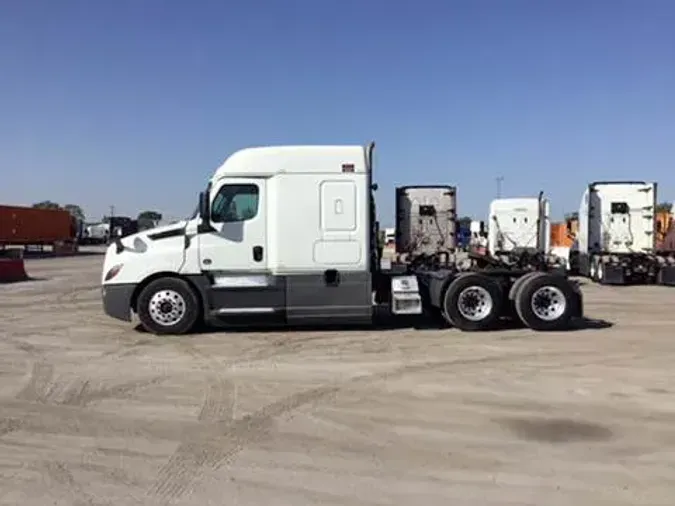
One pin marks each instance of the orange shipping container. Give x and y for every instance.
(28, 225)
(560, 235)
(667, 243)
(664, 221)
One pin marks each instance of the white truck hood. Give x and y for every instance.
(160, 249)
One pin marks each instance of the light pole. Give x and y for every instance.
(499, 180)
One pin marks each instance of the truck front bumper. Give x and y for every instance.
(117, 300)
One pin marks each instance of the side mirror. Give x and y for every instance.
(204, 207)
(204, 213)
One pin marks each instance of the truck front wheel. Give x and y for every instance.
(168, 306)
(473, 302)
(545, 302)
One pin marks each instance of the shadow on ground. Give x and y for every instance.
(578, 324)
(396, 323)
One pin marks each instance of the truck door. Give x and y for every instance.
(239, 216)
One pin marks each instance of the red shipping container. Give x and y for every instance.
(28, 225)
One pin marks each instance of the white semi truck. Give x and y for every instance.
(290, 232)
(426, 224)
(519, 224)
(520, 233)
(615, 240)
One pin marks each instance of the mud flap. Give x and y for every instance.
(613, 275)
(577, 302)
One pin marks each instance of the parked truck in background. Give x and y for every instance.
(519, 232)
(291, 233)
(30, 226)
(100, 233)
(426, 224)
(615, 241)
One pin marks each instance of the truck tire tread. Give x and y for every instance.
(451, 297)
(184, 325)
(524, 307)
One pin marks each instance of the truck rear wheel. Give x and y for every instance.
(600, 271)
(545, 302)
(518, 283)
(593, 268)
(168, 306)
(473, 302)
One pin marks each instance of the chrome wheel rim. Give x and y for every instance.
(548, 303)
(167, 307)
(474, 303)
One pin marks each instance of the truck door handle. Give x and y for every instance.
(257, 253)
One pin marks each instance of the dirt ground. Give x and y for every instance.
(93, 412)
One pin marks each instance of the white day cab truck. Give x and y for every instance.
(615, 240)
(519, 233)
(291, 233)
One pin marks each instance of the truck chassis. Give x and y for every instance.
(476, 297)
(627, 268)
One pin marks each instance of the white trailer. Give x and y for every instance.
(615, 242)
(290, 233)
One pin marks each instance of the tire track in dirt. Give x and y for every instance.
(44, 388)
(223, 437)
(219, 443)
(8, 425)
(58, 473)
(216, 446)
(218, 403)
(220, 393)
(74, 421)
(39, 383)
(82, 393)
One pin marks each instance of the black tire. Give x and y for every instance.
(560, 290)
(600, 272)
(518, 283)
(181, 302)
(489, 296)
(595, 262)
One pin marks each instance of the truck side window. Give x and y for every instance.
(235, 202)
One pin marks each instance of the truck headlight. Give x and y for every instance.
(113, 271)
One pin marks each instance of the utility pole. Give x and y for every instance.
(499, 180)
(112, 211)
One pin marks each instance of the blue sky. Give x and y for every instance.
(135, 103)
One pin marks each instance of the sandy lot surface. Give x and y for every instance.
(93, 412)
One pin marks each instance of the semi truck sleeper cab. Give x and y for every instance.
(290, 232)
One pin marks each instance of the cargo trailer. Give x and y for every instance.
(31, 226)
